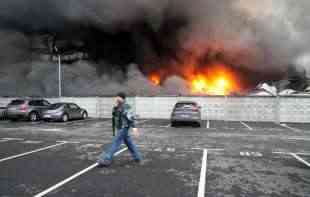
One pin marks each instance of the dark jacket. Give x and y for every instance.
(122, 117)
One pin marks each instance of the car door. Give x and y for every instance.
(35, 105)
(74, 111)
(45, 104)
(67, 110)
(78, 111)
(40, 106)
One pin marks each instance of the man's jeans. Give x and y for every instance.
(122, 136)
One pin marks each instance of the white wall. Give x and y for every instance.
(213, 108)
(292, 109)
(284, 109)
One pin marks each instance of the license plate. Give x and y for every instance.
(185, 116)
(47, 116)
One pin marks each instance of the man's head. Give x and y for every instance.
(120, 97)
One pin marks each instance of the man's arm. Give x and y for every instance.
(113, 120)
(130, 117)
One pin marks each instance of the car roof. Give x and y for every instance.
(28, 99)
(186, 102)
(64, 103)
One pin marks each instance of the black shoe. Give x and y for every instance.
(104, 163)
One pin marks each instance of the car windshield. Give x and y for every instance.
(17, 102)
(55, 106)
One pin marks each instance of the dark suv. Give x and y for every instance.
(186, 112)
(30, 109)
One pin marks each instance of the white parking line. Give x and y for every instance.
(32, 142)
(208, 124)
(209, 149)
(300, 159)
(43, 193)
(33, 151)
(305, 154)
(69, 142)
(52, 129)
(13, 139)
(246, 125)
(203, 174)
(299, 138)
(171, 149)
(142, 121)
(169, 125)
(288, 127)
(251, 154)
(288, 153)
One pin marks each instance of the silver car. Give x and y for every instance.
(30, 109)
(3, 113)
(186, 112)
(64, 112)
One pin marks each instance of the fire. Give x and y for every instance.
(199, 84)
(219, 86)
(155, 79)
(214, 79)
(211, 79)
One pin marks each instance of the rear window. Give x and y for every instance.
(45, 103)
(34, 103)
(185, 105)
(55, 106)
(73, 106)
(17, 102)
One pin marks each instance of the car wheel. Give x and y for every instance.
(65, 118)
(84, 115)
(33, 116)
(197, 125)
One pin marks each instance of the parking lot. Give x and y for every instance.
(219, 159)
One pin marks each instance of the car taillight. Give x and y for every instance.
(195, 109)
(23, 108)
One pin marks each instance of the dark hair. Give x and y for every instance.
(122, 95)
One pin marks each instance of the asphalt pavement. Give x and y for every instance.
(221, 158)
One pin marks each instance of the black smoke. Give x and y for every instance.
(112, 45)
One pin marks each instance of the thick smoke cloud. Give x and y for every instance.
(126, 40)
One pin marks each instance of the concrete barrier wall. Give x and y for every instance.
(213, 108)
(277, 109)
(292, 109)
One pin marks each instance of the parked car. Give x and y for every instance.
(64, 112)
(3, 113)
(186, 112)
(30, 109)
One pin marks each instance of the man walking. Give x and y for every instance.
(123, 120)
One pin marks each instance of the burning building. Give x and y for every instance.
(149, 47)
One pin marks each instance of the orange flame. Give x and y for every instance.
(155, 79)
(220, 86)
(211, 79)
(214, 79)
